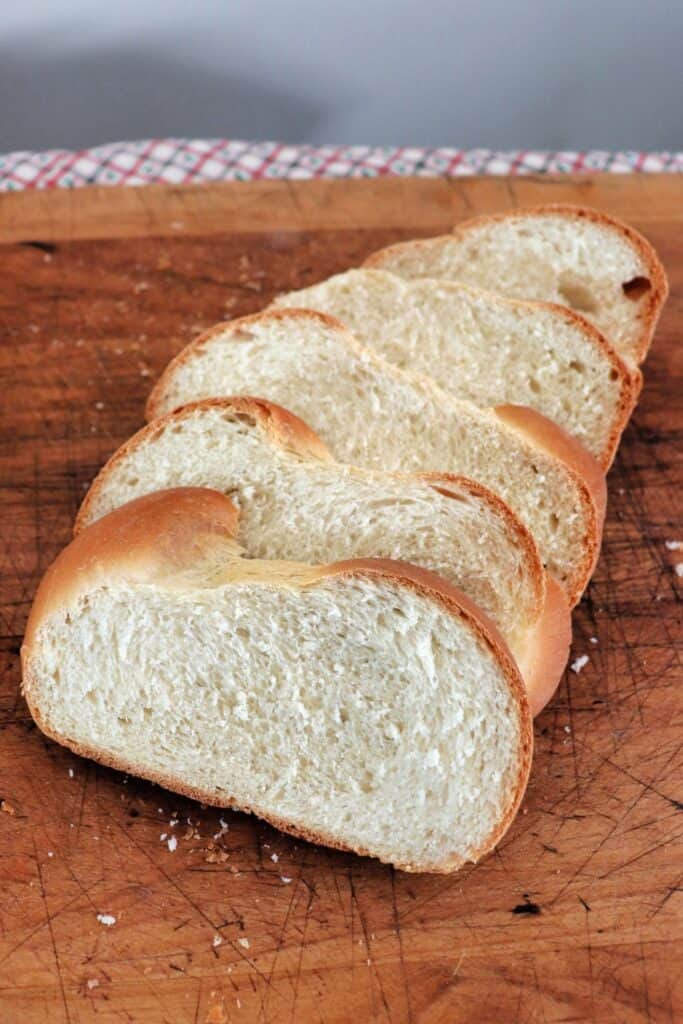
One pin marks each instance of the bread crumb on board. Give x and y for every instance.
(579, 663)
(673, 545)
(679, 569)
(106, 919)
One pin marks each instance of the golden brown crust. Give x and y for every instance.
(170, 528)
(156, 535)
(544, 660)
(233, 329)
(585, 470)
(652, 302)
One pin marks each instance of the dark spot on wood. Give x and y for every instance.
(48, 247)
(583, 902)
(527, 908)
(134, 813)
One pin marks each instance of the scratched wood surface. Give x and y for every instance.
(577, 915)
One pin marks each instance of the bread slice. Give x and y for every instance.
(488, 349)
(374, 415)
(296, 502)
(581, 258)
(366, 705)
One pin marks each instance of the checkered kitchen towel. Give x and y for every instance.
(184, 161)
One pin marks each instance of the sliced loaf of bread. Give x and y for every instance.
(487, 348)
(581, 258)
(295, 502)
(366, 705)
(372, 414)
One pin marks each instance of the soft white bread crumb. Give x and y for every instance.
(295, 502)
(302, 507)
(372, 414)
(487, 349)
(365, 705)
(592, 263)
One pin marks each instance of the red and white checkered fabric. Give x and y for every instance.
(184, 161)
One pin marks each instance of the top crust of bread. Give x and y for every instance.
(657, 293)
(156, 537)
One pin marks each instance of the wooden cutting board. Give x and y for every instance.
(576, 916)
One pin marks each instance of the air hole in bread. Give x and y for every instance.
(534, 385)
(554, 521)
(576, 364)
(636, 288)
(614, 375)
(241, 335)
(576, 294)
(132, 481)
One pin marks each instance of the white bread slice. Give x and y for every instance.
(297, 503)
(487, 348)
(578, 257)
(367, 705)
(374, 415)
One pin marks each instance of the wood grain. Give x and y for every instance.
(576, 917)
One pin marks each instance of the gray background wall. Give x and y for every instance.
(500, 74)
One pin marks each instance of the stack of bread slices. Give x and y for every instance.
(330, 582)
